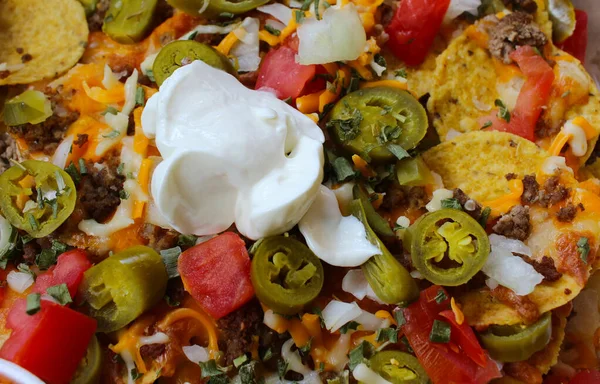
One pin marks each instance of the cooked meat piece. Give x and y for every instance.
(545, 267)
(552, 192)
(531, 189)
(567, 213)
(249, 78)
(237, 330)
(152, 351)
(96, 19)
(99, 189)
(512, 31)
(159, 238)
(30, 252)
(515, 224)
(417, 197)
(544, 129)
(522, 304)
(394, 197)
(529, 6)
(510, 176)
(46, 135)
(82, 138)
(8, 151)
(470, 206)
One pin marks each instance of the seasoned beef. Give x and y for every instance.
(529, 6)
(531, 189)
(417, 197)
(8, 151)
(152, 351)
(249, 78)
(510, 176)
(545, 267)
(30, 251)
(237, 330)
(544, 129)
(96, 19)
(567, 213)
(394, 197)
(515, 224)
(82, 138)
(552, 192)
(99, 190)
(159, 238)
(526, 308)
(512, 31)
(46, 135)
(470, 206)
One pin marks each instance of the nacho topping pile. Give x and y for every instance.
(327, 191)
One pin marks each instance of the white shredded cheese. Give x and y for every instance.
(436, 201)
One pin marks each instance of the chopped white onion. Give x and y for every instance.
(511, 271)
(458, 7)
(554, 164)
(246, 50)
(416, 274)
(204, 6)
(62, 152)
(436, 200)
(363, 374)
(19, 281)
(296, 4)
(275, 24)
(452, 134)
(356, 284)
(512, 245)
(278, 11)
(491, 283)
(338, 36)
(379, 69)
(196, 353)
(293, 360)
(157, 338)
(370, 322)
(130, 91)
(338, 313)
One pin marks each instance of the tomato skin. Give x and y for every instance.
(217, 274)
(280, 73)
(576, 44)
(534, 95)
(51, 343)
(69, 269)
(586, 377)
(443, 363)
(414, 27)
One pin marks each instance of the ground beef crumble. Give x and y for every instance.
(8, 151)
(531, 189)
(237, 329)
(544, 267)
(552, 192)
(470, 206)
(159, 238)
(99, 190)
(513, 30)
(515, 224)
(529, 6)
(567, 213)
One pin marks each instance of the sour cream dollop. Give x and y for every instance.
(230, 154)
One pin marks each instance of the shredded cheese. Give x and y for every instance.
(504, 203)
(187, 313)
(227, 43)
(458, 314)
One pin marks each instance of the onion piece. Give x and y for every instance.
(511, 271)
(19, 281)
(196, 353)
(363, 374)
(336, 314)
(247, 50)
(458, 7)
(62, 152)
(278, 11)
(356, 284)
(512, 245)
(338, 36)
(110, 79)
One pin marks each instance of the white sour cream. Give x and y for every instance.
(230, 154)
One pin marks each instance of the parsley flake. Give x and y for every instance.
(441, 296)
(169, 258)
(583, 247)
(440, 332)
(387, 334)
(503, 112)
(360, 354)
(60, 293)
(33, 303)
(349, 326)
(452, 203)
(273, 31)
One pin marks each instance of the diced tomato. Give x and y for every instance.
(586, 377)
(576, 44)
(462, 360)
(69, 269)
(217, 274)
(51, 343)
(280, 73)
(414, 27)
(533, 97)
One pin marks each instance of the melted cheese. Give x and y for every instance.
(502, 204)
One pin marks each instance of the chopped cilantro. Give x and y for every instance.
(33, 223)
(248, 373)
(360, 354)
(120, 168)
(171, 302)
(317, 311)
(210, 368)
(33, 303)
(111, 110)
(186, 240)
(306, 5)
(380, 60)
(135, 374)
(71, 169)
(150, 75)
(485, 215)
(583, 247)
(227, 15)
(272, 31)
(60, 293)
(503, 112)
(348, 128)
(440, 332)
(299, 16)
(399, 316)
(404, 341)
(306, 347)
(267, 355)
(351, 325)
(282, 368)
(401, 73)
(82, 168)
(169, 258)
(451, 203)
(25, 269)
(238, 361)
(387, 334)
(397, 151)
(343, 169)
(123, 194)
(112, 134)
(46, 258)
(486, 125)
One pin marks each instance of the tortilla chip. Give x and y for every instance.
(543, 360)
(477, 162)
(468, 80)
(40, 39)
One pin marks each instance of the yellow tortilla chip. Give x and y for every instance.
(477, 162)
(40, 39)
(543, 360)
